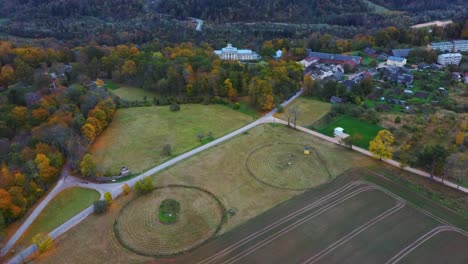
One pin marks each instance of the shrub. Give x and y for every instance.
(108, 197)
(236, 106)
(43, 242)
(280, 109)
(100, 206)
(175, 107)
(145, 185)
(167, 150)
(397, 120)
(126, 189)
(169, 211)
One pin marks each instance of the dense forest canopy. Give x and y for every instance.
(260, 10)
(417, 5)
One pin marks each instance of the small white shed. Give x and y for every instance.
(339, 131)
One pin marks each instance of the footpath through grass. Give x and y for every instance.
(137, 136)
(310, 110)
(60, 209)
(352, 126)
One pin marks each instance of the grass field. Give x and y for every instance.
(137, 136)
(62, 207)
(353, 126)
(220, 170)
(310, 110)
(133, 93)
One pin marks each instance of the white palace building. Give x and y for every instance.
(232, 53)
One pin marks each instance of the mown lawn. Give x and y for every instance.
(133, 93)
(137, 136)
(310, 110)
(61, 208)
(353, 126)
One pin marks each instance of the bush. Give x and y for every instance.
(167, 150)
(100, 206)
(108, 197)
(126, 189)
(175, 107)
(236, 106)
(169, 211)
(397, 120)
(280, 109)
(43, 242)
(145, 185)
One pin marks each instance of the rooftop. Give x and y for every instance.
(393, 58)
(401, 52)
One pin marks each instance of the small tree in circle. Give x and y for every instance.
(169, 211)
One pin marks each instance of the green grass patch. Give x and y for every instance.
(134, 94)
(310, 110)
(375, 7)
(352, 126)
(60, 209)
(137, 136)
(111, 85)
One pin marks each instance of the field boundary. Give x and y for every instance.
(216, 231)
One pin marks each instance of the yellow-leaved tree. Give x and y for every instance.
(380, 146)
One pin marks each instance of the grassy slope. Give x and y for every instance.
(353, 126)
(133, 93)
(137, 135)
(310, 110)
(61, 208)
(376, 8)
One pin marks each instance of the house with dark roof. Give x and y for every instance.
(370, 52)
(335, 58)
(336, 100)
(403, 53)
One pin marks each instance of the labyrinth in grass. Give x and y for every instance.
(284, 165)
(140, 230)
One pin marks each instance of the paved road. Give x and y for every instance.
(67, 181)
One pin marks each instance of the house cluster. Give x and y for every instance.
(232, 53)
(449, 46)
(331, 72)
(398, 75)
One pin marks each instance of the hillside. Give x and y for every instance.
(261, 10)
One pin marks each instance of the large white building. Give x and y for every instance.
(232, 53)
(449, 58)
(396, 61)
(453, 46)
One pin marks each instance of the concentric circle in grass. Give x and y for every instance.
(139, 228)
(284, 165)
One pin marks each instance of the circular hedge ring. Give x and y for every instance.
(139, 229)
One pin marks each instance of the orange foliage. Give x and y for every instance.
(40, 114)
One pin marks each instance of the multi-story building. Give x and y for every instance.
(460, 45)
(449, 58)
(452, 46)
(232, 53)
(396, 61)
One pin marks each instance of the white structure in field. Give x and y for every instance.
(396, 61)
(449, 58)
(339, 133)
(232, 53)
